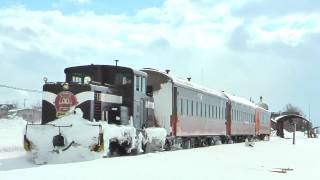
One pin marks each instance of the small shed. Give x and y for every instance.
(30, 115)
(287, 122)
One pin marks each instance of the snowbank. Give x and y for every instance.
(299, 134)
(157, 136)
(80, 134)
(11, 134)
(235, 161)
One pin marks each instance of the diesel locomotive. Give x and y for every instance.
(124, 110)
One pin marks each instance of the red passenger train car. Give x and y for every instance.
(197, 116)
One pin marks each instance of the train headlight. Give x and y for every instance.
(65, 86)
(87, 80)
(98, 147)
(27, 144)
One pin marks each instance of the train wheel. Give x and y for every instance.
(266, 138)
(211, 142)
(217, 142)
(186, 144)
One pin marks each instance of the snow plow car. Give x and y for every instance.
(98, 111)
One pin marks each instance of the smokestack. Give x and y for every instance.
(261, 99)
(167, 71)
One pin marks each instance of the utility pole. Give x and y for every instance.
(309, 114)
(24, 103)
(294, 133)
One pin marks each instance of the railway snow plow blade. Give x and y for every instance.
(68, 139)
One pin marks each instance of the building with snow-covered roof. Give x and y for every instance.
(289, 121)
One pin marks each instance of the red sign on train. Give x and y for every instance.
(63, 102)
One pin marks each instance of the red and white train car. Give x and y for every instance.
(195, 116)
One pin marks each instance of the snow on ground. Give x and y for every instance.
(11, 139)
(235, 161)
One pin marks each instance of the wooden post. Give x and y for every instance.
(294, 134)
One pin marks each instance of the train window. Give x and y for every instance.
(178, 107)
(209, 111)
(181, 106)
(191, 108)
(216, 112)
(212, 111)
(201, 112)
(205, 110)
(236, 115)
(197, 109)
(247, 119)
(223, 113)
(77, 79)
(143, 85)
(187, 108)
(243, 116)
(232, 115)
(137, 83)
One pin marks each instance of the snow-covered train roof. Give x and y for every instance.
(185, 83)
(188, 84)
(241, 100)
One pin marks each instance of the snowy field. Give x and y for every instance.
(234, 161)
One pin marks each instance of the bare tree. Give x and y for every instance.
(291, 109)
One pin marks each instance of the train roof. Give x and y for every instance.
(84, 67)
(187, 84)
(240, 100)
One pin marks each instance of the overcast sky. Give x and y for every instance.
(249, 48)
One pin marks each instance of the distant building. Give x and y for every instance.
(5, 108)
(30, 115)
(286, 122)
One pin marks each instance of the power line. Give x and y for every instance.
(20, 89)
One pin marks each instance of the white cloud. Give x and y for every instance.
(81, 1)
(290, 29)
(192, 38)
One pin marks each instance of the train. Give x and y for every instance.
(106, 110)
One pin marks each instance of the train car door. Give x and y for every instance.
(174, 116)
(257, 122)
(143, 111)
(228, 118)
